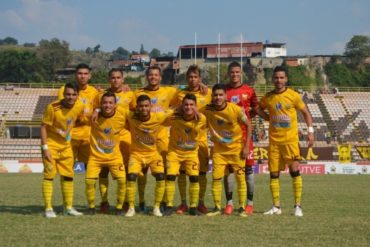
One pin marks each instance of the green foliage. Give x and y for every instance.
(268, 75)
(120, 53)
(298, 76)
(99, 77)
(8, 41)
(211, 75)
(344, 76)
(20, 66)
(133, 80)
(142, 50)
(155, 53)
(358, 48)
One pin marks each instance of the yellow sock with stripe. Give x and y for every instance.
(67, 191)
(202, 186)
(90, 191)
(275, 191)
(121, 192)
(170, 191)
(141, 184)
(131, 193)
(242, 188)
(216, 192)
(103, 188)
(193, 194)
(297, 189)
(181, 182)
(47, 193)
(158, 192)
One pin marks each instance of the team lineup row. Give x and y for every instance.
(166, 131)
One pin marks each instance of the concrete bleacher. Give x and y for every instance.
(20, 149)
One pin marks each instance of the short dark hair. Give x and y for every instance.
(281, 69)
(153, 67)
(190, 97)
(114, 70)
(83, 66)
(72, 85)
(142, 97)
(109, 94)
(233, 64)
(219, 86)
(193, 69)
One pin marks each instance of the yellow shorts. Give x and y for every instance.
(116, 168)
(189, 164)
(138, 161)
(62, 163)
(203, 155)
(81, 150)
(222, 161)
(282, 155)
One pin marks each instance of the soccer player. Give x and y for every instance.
(245, 97)
(193, 76)
(145, 127)
(281, 105)
(224, 121)
(185, 134)
(57, 156)
(81, 131)
(105, 150)
(123, 100)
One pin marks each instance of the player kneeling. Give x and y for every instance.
(105, 152)
(185, 132)
(57, 155)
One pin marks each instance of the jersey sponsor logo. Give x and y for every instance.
(226, 136)
(107, 142)
(147, 140)
(104, 150)
(188, 145)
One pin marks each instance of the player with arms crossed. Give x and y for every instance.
(245, 97)
(193, 76)
(145, 127)
(281, 105)
(185, 133)
(57, 156)
(224, 122)
(105, 150)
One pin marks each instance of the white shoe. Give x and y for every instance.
(298, 211)
(130, 212)
(50, 213)
(72, 212)
(157, 212)
(273, 210)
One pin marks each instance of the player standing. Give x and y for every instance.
(105, 150)
(57, 156)
(224, 121)
(282, 104)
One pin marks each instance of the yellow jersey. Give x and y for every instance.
(160, 99)
(59, 121)
(123, 101)
(225, 127)
(186, 134)
(144, 135)
(202, 100)
(81, 131)
(105, 137)
(283, 115)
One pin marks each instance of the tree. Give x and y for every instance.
(89, 51)
(120, 53)
(54, 54)
(9, 41)
(29, 45)
(142, 50)
(96, 48)
(155, 53)
(357, 49)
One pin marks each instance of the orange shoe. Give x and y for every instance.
(182, 209)
(202, 208)
(249, 209)
(229, 209)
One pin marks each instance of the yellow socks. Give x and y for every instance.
(47, 193)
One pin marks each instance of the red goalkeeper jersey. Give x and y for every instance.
(244, 96)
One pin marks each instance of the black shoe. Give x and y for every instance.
(91, 211)
(163, 207)
(120, 212)
(214, 212)
(143, 208)
(194, 211)
(168, 211)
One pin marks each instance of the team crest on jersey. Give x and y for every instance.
(84, 100)
(235, 99)
(154, 100)
(118, 99)
(187, 131)
(220, 121)
(278, 106)
(288, 106)
(244, 96)
(69, 121)
(107, 131)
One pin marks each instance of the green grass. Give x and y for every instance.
(336, 213)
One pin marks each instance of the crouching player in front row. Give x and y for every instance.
(57, 155)
(185, 133)
(224, 122)
(105, 151)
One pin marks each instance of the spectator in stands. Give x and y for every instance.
(282, 104)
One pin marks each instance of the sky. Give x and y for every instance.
(308, 27)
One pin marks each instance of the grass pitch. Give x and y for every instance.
(336, 213)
